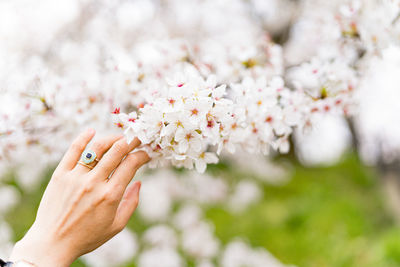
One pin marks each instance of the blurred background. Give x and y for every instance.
(333, 200)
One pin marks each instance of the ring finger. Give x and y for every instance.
(99, 147)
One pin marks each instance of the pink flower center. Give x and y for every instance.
(268, 119)
(116, 111)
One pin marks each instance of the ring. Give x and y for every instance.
(88, 157)
(84, 164)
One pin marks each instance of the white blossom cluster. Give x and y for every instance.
(344, 54)
(100, 56)
(193, 114)
(343, 37)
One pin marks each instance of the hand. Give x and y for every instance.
(82, 208)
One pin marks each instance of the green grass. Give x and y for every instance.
(327, 216)
(331, 216)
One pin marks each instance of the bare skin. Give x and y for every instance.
(81, 208)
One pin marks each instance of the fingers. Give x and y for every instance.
(127, 169)
(74, 152)
(127, 206)
(113, 157)
(100, 147)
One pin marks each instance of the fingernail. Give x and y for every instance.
(90, 131)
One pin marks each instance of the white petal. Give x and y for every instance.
(168, 130)
(210, 158)
(129, 134)
(183, 146)
(200, 165)
(284, 147)
(196, 145)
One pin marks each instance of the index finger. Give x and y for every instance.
(74, 152)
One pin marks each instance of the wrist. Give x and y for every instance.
(40, 253)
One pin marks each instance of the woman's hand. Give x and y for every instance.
(82, 208)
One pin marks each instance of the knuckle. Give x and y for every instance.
(88, 188)
(57, 174)
(120, 147)
(135, 142)
(117, 189)
(110, 196)
(98, 146)
(57, 178)
(96, 202)
(77, 146)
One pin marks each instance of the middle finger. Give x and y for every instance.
(114, 156)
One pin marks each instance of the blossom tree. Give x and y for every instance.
(193, 85)
(193, 80)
